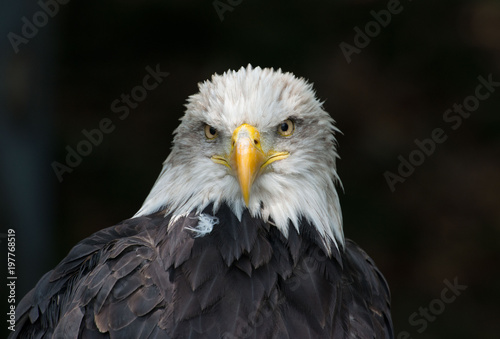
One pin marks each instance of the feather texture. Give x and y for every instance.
(244, 280)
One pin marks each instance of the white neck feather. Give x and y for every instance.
(180, 190)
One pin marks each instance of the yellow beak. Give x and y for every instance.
(247, 159)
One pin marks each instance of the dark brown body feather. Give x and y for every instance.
(243, 280)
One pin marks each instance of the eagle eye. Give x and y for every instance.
(210, 132)
(286, 128)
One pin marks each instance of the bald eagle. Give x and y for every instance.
(240, 237)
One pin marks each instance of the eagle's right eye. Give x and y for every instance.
(210, 132)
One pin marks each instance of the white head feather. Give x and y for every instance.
(300, 186)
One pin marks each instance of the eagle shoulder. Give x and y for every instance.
(108, 282)
(366, 295)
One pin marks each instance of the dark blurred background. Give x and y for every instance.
(61, 71)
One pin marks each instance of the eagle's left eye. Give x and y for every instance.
(286, 128)
(210, 132)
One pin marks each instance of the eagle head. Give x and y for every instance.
(258, 140)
